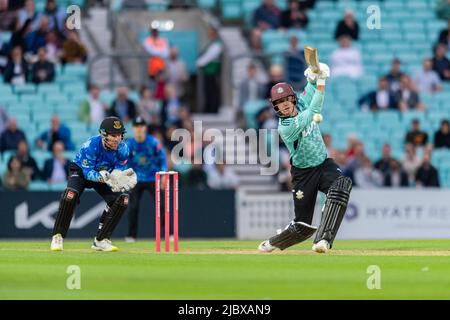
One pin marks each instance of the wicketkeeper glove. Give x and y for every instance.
(111, 179)
(127, 179)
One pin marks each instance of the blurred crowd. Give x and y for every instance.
(38, 41)
(397, 90)
(414, 169)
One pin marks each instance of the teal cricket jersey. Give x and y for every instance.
(301, 134)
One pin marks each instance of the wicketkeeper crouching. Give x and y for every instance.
(100, 164)
(311, 169)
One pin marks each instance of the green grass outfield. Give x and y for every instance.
(226, 269)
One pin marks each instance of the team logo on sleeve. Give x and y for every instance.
(299, 194)
(70, 195)
(117, 125)
(125, 201)
(84, 163)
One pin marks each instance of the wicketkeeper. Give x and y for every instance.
(311, 169)
(147, 157)
(100, 164)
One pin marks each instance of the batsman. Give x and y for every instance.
(101, 164)
(311, 169)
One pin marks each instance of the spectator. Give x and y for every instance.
(123, 107)
(266, 119)
(16, 177)
(92, 110)
(355, 161)
(441, 64)
(384, 164)
(331, 151)
(295, 64)
(407, 97)
(251, 88)
(284, 175)
(395, 176)
(265, 17)
(53, 47)
(352, 145)
(7, 16)
(37, 39)
(158, 49)
(56, 168)
(55, 15)
(347, 27)
(306, 4)
(43, 70)
(427, 175)
(442, 136)
(196, 177)
(444, 36)
(346, 61)
(416, 137)
(148, 108)
(14, 5)
(28, 12)
(210, 64)
(427, 80)
(411, 162)
(11, 136)
(394, 75)
(381, 99)
(294, 17)
(171, 106)
(222, 176)
(184, 119)
(177, 74)
(16, 71)
(160, 84)
(27, 161)
(18, 35)
(340, 158)
(74, 51)
(57, 132)
(3, 120)
(366, 176)
(275, 75)
(442, 9)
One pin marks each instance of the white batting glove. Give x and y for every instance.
(311, 76)
(324, 73)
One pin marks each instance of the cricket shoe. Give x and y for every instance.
(130, 239)
(103, 245)
(265, 246)
(57, 242)
(321, 247)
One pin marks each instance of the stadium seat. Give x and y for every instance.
(231, 9)
(206, 4)
(38, 186)
(25, 89)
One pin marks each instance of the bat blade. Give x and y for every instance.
(312, 58)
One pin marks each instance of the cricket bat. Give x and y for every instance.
(312, 59)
